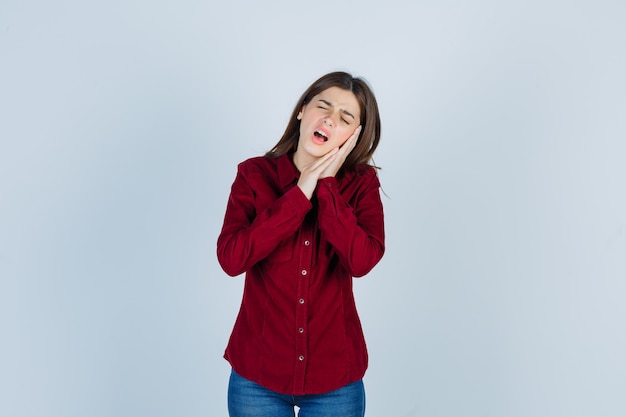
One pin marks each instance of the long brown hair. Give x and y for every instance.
(370, 119)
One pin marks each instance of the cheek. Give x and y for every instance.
(345, 135)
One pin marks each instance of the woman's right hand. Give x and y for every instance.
(310, 174)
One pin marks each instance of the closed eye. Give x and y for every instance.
(325, 105)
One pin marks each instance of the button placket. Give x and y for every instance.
(305, 262)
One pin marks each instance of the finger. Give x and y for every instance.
(347, 147)
(351, 142)
(326, 163)
(356, 133)
(323, 160)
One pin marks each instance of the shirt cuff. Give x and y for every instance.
(298, 200)
(329, 183)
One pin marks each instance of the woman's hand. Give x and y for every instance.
(311, 173)
(326, 166)
(333, 167)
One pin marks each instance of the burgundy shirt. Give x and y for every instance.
(298, 331)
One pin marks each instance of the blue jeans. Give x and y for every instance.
(249, 399)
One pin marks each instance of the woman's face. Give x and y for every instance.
(326, 122)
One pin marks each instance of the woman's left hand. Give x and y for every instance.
(343, 152)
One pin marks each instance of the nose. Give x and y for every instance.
(328, 120)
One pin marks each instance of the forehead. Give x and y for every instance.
(338, 97)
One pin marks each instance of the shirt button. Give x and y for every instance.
(301, 330)
(307, 243)
(301, 357)
(301, 301)
(304, 272)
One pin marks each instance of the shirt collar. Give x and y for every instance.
(287, 171)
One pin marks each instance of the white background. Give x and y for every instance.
(502, 292)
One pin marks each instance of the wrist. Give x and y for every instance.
(306, 191)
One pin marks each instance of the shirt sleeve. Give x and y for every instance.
(248, 237)
(355, 231)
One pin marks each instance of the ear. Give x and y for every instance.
(301, 112)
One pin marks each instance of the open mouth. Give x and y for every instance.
(321, 135)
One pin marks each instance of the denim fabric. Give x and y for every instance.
(249, 399)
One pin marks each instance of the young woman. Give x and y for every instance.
(301, 222)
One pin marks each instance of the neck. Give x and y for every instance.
(301, 161)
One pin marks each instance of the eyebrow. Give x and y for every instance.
(346, 112)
